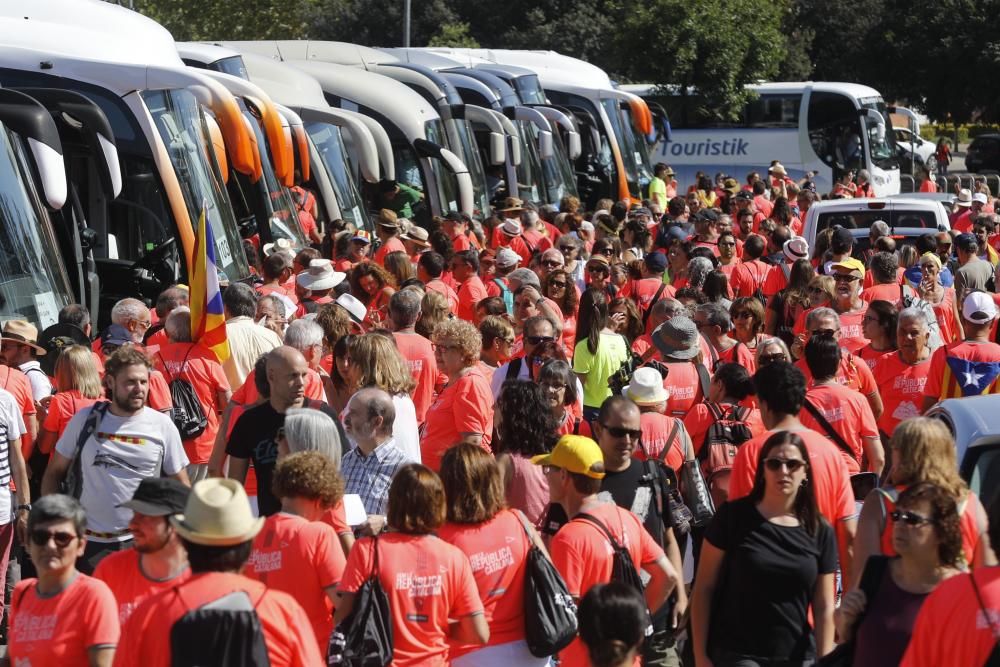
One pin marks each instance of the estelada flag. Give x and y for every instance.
(963, 377)
(208, 319)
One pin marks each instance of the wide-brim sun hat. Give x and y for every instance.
(646, 387)
(217, 514)
(320, 276)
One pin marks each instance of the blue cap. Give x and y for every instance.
(656, 262)
(116, 334)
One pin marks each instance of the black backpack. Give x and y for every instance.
(223, 633)
(623, 569)
(365, 637)
(187, 413)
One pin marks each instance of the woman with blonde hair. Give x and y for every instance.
(399, 265)
(374, 361)
(921, 450)
(78, 386)
(434, 309)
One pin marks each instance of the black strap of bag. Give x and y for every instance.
(704, 380)
(830, 431)
(655, 470)
(649, 309)
(994, 658)
(72, 484)
(365, 637)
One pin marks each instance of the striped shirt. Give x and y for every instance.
(370, 476)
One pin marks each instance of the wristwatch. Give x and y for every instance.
(25, 506)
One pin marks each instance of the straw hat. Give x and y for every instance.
(22, 331)
(646, 387)
(320, 276)
(217, 514)
(278, 246)
(417, 235)
(512, 205)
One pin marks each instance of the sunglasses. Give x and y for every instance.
(829, 333)
(909, 518)
(567, 248)
(41, 538)
(607, 252)
(619, 432)
(771, 358)
(557, 283)
(844, 278)
(538, 340)
(776, 464)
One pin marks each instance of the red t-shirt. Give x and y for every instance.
(464, 406)
(700, 419)
(392, 245)
(303, 559)
(642, 291)
(882, 292)
(748, 276)
(427, 581)
(848, 413)
(851, 337)
(62, 407)
(159, 397)
(952, 628)
(737, 354)
(776, 280)
(59, 630)
(656, 430)
(122, 574)
(497, 550)
(18, 384)
(287, 632)
(828, 473)
(200, 367)
(470, 293)
(684, 387)
(262, 290)
(336, 518)
(419, 355)
(965, 368)
(901, 387)
(870, 355)
(570, 424)
(437, 285)
(853, 373)
(582, 554)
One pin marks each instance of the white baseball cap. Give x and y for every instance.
(979, 308)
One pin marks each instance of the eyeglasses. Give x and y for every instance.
(555, 386)
(743, 313)
(829, 333)
(869, 318)
(62, 539)
(619, 432)
(844, 278)
(771, 358)
(909, 518)
(557, 283)
(607, 252)
(538, 340)
(776, 464)
(145, 324)
(446, 348)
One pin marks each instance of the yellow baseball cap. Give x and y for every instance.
(575, 453)
(850, 264)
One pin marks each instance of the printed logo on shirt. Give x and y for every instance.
(32, 628)
(905, 385)
(415, 365)
(682, 393)
(851, 331)
(419, 586)
(906, 410)
(493, 561)
(265, 561)
(121, 439)
(833, 414)
(984, 623)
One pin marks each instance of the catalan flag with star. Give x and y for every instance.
(208, 319)
(964, 368)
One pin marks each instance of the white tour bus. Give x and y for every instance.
(821, 127)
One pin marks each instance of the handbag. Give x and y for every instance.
(365, 636)
(660, 476)
(842, 655)
(549, 610)
(694, 490)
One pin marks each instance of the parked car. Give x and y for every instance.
(909, 142)
(975, 423)
(983, 153)
(908, 217)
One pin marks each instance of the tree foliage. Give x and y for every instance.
(197, 20)
(455, 36)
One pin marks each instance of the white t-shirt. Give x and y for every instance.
(11, 427)
(122, 452)
(40, 385)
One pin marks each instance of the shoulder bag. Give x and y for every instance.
(365, 636)
(72, 484)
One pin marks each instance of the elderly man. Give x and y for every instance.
(170, 298)
(537, 331)
(549, 261)
(181, 359)
(368, 469)
(247, 339)
(134, 316)
(714, 324)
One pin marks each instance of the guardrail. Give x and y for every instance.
(953, 182)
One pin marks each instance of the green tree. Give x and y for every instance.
(191, 20)
(454, 35)
(714, 46)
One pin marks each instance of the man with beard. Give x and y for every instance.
(119, 444)
(158, 559)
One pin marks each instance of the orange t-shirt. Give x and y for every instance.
(200, 367)
(828, 473)
(303, 559)
(700, 419)
(464, 406)
(642, 291)
(17, 383)
(902, 388)
(287, 632)
(854, 373)
(427, 581)
(851, 337)
(870, 356)
(748, 276)
(684, 387)
(336, 518)
(267, 290)
(419, 355)
(470, 293)
(497, 550)
(582, 554)
(945, 313)
(848, 413)
(951, 628)
(882, 292)
(121, 572)
(62, 407)
(776, 280)
(445, 290)
(392, 245)
(59, 630)
(737, 354)
(159, 397)
(656, 429)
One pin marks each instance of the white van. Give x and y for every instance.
(908, 218)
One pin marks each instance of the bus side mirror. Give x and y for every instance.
(545, 148)
(498, 148)
(24, 116)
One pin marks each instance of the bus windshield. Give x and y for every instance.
(33, 284)
(444, 179)
(330, 145)
(182, 128)
(529, 172)
(470, 156)
(639, 149)
(529, 89)
(626, 145)
(560, 181)
(881, 138)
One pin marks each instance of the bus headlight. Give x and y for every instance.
(880, 179)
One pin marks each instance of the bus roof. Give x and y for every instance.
(855, 90)
(342, 53)
(90, 29)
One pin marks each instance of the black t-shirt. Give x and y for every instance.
(766, 583)
(254, 437)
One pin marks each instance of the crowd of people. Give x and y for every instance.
(676, 401)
